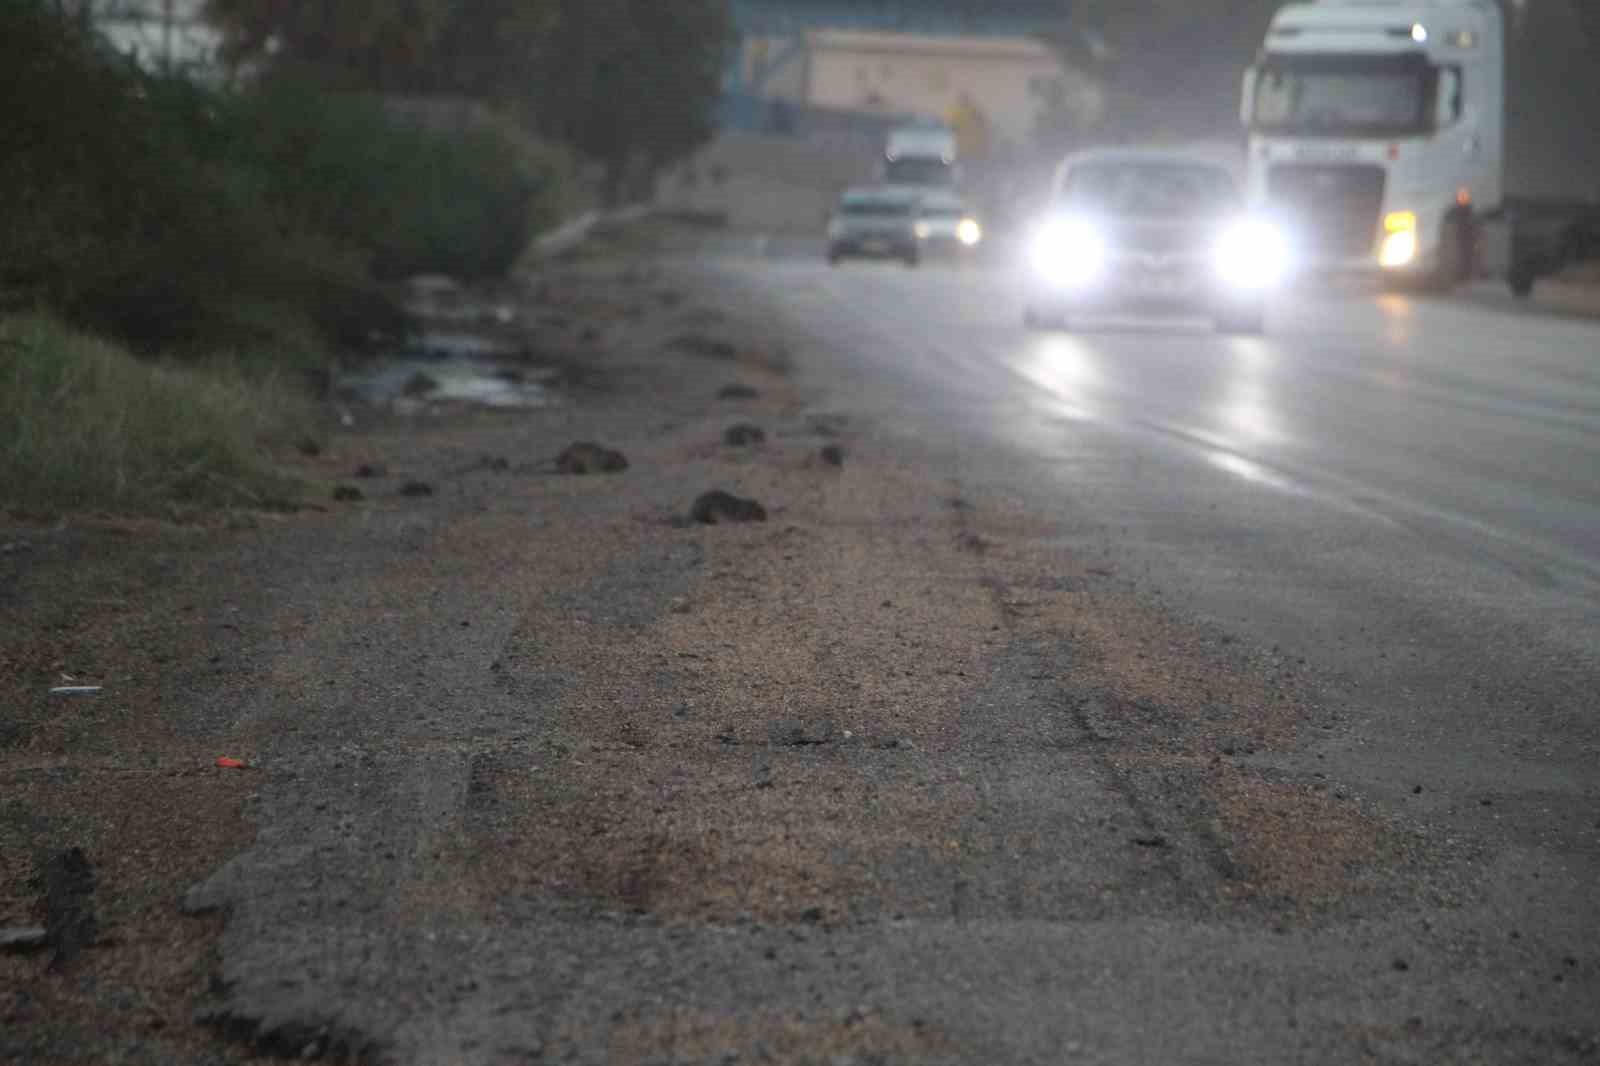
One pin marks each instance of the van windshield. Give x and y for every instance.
(875, 208)
(919, 170)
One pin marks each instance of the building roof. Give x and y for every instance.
(930, 45)
(957, 17)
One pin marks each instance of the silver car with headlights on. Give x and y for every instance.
(1144, 230)
(875, 223)
(946, 226)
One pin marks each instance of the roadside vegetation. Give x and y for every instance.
(251, 219)
(86, 424)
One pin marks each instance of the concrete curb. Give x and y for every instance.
(570, 234)
(1569, 297)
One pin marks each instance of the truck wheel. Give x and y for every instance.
(1455, 256)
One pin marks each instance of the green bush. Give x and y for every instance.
(83, 423)
(125, 211)
(180, 218)
(414, 199)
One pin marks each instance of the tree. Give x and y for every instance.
(1168, 68)
(372, 44)
(632, 84)
(478, 48)
(1588, 14)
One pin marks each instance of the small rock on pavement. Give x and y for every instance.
(738, 392)
(795, 734)
(707, 347)
(420, 384)
(69, 906)
(309, 447)
(716, 506)
(831, 455)
(348, 494)
(742, 434)
(371, 470)
(586, 457)
(416, 488)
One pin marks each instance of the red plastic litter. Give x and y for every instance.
(230, 764)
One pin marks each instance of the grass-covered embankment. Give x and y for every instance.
(178, 218)
(86, 424)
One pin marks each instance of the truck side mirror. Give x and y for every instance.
(1247, 97)
(1449, 96)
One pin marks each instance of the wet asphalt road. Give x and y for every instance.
(1403, 491)
(563, 832)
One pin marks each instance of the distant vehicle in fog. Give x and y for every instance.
(921, 156)
(876, 222)
(1150, 230)
(946, 225)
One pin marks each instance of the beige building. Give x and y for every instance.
(990, 89)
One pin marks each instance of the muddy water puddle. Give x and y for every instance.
(452, 368)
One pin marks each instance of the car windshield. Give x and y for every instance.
(1340, 98)
(944, 211)
(875, 208)
(1149, 189)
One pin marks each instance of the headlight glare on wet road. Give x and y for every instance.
(1069, 252)
(1252, 255)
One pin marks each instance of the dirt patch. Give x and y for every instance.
(1306, 846)
(147, 969)
(686, 1034)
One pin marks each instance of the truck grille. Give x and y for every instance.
(1335, 206)
(1162, 238)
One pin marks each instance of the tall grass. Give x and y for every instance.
(84, 424)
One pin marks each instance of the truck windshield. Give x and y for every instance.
(918, 170)
(1344, 96)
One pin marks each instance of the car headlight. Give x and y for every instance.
(969, 232)
(1252, 255)
(1399, 240)
(1069, 252)
(923, 231)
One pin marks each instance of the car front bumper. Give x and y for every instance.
(874, 246)
(1193, 288)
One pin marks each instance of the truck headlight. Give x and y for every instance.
(923, 231)
(969, 232)
(1069, 252)
(1399, 240)
(1252, 255)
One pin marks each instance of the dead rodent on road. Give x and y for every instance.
(541, 770)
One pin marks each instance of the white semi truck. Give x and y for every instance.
(1377, 136)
